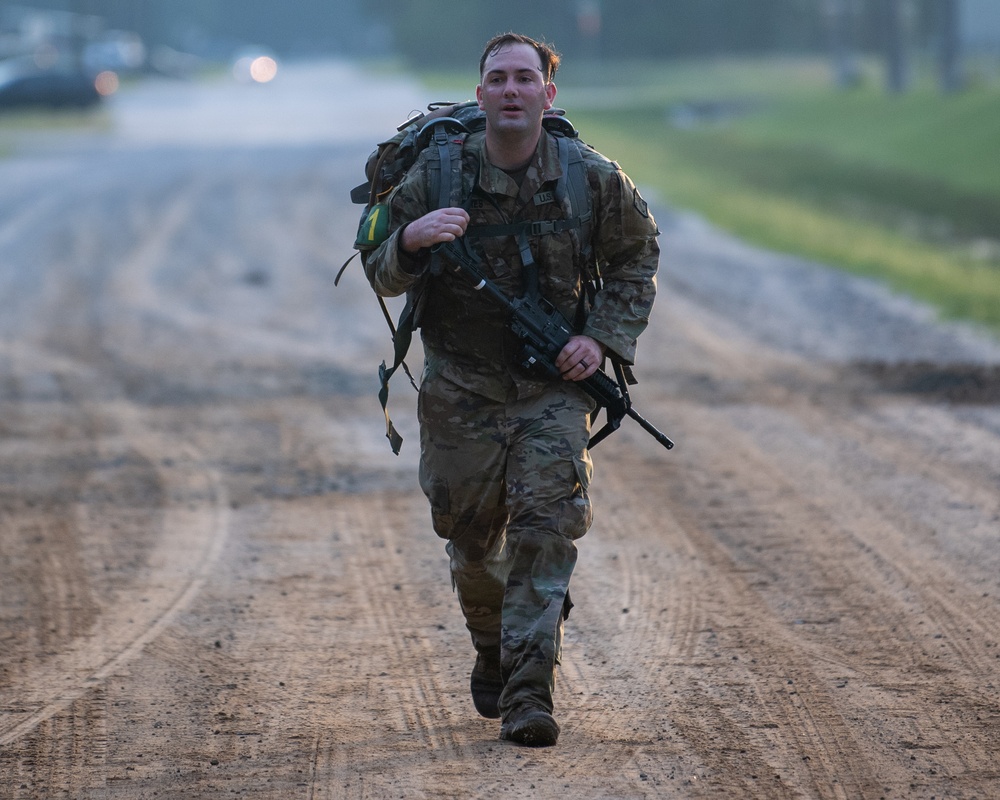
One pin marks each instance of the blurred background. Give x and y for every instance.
(962, 36)
(862, 133)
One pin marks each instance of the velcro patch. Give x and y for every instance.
(640, 205)
(543, 198)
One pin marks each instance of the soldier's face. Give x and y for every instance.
(513, 91)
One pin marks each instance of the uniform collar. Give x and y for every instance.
(544, 167)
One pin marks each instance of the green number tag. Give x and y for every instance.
(375, 228)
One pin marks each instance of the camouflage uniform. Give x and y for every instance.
(504, 460)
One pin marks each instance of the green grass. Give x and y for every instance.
(902, 189)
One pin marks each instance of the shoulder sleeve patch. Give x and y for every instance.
(640, 204)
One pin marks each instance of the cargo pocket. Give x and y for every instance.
(583, 512)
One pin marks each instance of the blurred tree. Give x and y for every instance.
(421, 35)
(949, 44)
(840, 24)
(304, 26)
(307, 26)
(892, 29)
(642, 29)
(443, 33)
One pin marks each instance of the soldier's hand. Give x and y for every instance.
(580, 358)
(441, 225)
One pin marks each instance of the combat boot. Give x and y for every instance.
(487, 684)
(530, 726)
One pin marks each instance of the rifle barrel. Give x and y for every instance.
(651, 429)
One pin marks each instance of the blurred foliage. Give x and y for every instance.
(446, 33)
(216, 27)
(437, 33)
(906, 190)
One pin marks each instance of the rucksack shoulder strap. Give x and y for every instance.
(445, 140)
(574, 182)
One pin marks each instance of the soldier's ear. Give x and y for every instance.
(479, 95)
(550, 94)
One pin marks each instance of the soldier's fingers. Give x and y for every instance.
(571, 352)
(578, 369)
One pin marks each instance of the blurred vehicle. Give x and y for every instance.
(121, 52)
(174, 63)
(24, 88)
(255, 65)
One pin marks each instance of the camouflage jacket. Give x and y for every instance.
(463, 331)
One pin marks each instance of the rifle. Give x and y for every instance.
(542, 331)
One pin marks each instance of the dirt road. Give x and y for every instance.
(218, 581)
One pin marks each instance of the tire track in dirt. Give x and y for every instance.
(417, 707)
(192, 519)
(26, 212)
(944, 620)
(768, 665)
(155, 299)
(838, 518)
(889, 532)
(193, 530)
(387, 683)
(636, 620)
(393, 691)
(842, 441)
(717, 600)
(634, 596)
(783, 456)
(854, 434)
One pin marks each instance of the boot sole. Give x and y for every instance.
(534, 729)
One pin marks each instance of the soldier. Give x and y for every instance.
(504, 460)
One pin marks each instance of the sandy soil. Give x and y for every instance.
(218, 581)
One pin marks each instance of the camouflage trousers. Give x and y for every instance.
(507, 485)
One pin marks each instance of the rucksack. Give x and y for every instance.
(443, 128)
(446, 124)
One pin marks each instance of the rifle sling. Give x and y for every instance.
(402, 335)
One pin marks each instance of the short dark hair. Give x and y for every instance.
(546, 53)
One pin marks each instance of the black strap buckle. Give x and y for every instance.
(541, 227)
